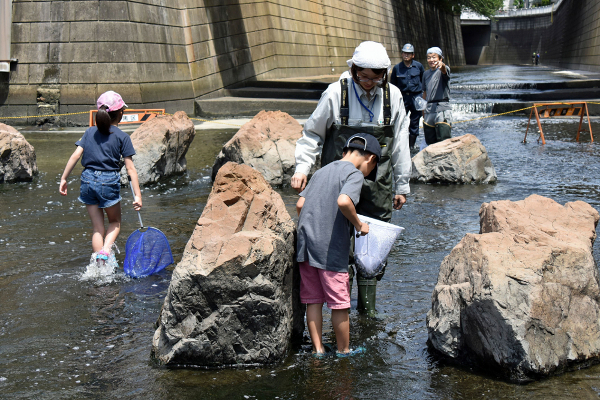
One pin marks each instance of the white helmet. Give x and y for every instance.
(370, 55)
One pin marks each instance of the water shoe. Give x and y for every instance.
(351, 352)
(328, 351)
(102, 255)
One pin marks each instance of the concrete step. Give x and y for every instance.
(572, 84)
(539, 96)
(274, 93)
(560, 94)
(594, 109)
(241, 107)
(288, 84)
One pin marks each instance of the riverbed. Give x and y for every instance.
(65, 337)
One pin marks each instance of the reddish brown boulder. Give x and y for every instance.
(230, 297)
(522, 297)
(17, 156)
(161, 145)
(266, 143)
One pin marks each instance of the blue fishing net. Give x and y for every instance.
(146, 253)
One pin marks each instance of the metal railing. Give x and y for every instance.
(527, 12)
(468, 15)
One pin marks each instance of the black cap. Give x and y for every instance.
(371, 145)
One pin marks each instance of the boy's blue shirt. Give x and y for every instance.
(323, 231)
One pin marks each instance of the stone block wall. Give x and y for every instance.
(166, 53)
(568, 38)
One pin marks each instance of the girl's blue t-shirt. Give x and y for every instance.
(103, 152)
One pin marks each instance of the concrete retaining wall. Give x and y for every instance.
(166, 53)
(568, 38)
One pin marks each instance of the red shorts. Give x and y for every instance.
(320, 286)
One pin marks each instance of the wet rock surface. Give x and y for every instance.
(521, 298)
(230, 300)
(461, 159)
(17, 156)
(266, 143)
(161, 145)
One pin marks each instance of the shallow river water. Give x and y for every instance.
(62, 337)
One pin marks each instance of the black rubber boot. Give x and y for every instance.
(412, 139)
(367, 290)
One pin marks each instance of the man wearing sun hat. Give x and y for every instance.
(364, 103)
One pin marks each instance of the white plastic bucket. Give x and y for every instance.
(371, 251)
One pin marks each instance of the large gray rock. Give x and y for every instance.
(17, 156)
(522, 297)
(461, 159)
(161, 145)
(266, 143)
(230, 300)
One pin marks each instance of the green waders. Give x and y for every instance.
(441, 131)
(376, 197)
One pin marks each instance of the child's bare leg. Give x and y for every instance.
(314, 320)
(341, 327)
(114, 225)
(97, 218)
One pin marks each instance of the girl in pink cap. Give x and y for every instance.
(100, 150)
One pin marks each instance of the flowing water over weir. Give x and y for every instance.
(65, 335)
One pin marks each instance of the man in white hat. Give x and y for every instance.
(407, 77)
(366, 103)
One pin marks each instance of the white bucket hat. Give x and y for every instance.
(370, 55)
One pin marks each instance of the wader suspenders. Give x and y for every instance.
(344, 107)
(387, 108)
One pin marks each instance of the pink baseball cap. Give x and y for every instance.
(112, 100)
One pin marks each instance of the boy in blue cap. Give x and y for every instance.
(327, 214)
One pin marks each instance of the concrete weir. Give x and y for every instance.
(166, 54)
(564, 34)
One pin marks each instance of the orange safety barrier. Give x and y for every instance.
(133, 116)
(554, 110)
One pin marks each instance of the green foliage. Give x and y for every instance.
(484, 7)
(519, 3)
(545, 3)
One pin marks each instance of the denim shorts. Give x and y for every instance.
(101, 188)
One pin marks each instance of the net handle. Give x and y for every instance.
(133, 194)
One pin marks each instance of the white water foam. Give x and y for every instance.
(102, 271)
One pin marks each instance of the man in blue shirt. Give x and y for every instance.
(407, 77)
